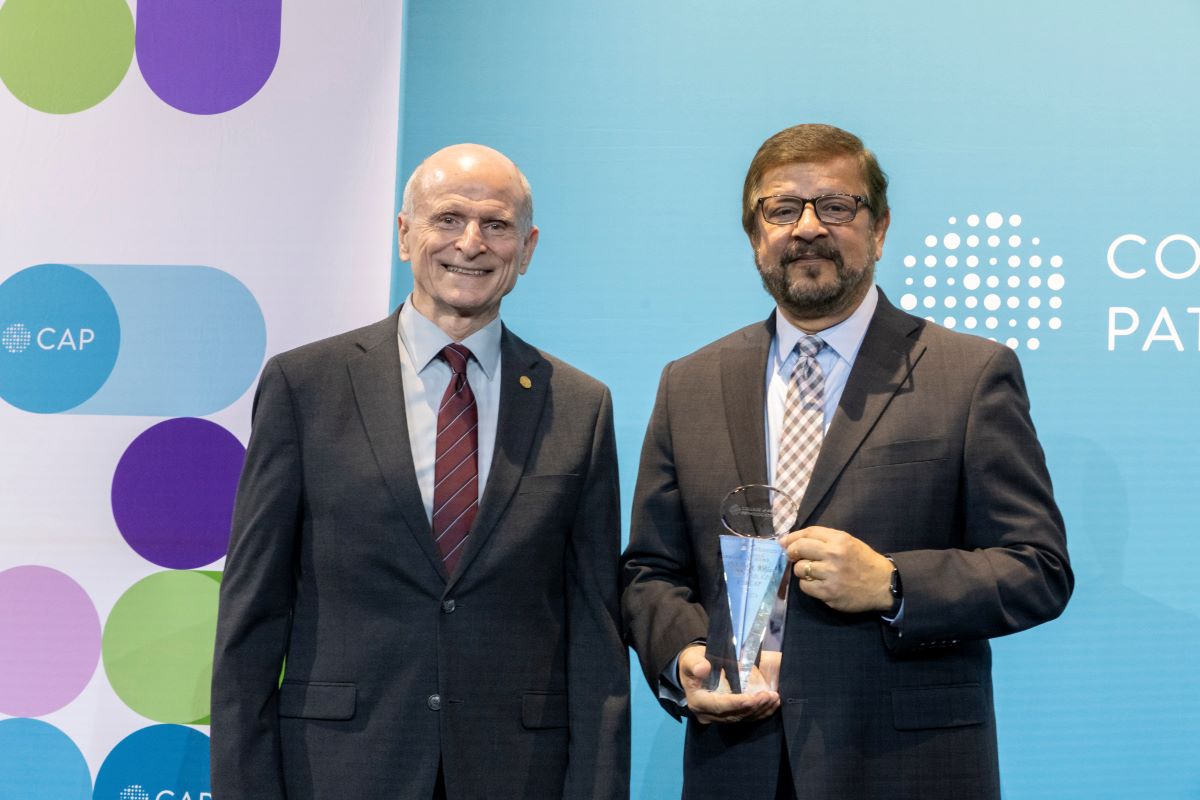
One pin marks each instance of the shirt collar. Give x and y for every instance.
(844, 339)
(424, 340)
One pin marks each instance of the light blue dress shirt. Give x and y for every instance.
(425, 379)
(836, 359)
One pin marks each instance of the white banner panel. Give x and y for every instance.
(188, 187)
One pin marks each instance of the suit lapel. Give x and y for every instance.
(379, 393)
(516, 429)
(882, 368)
(743, 388)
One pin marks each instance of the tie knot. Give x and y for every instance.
(809, 346)
(457, 357)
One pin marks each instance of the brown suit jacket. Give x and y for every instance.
(931, 457)
(512, 672)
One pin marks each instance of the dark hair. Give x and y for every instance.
(802, 144)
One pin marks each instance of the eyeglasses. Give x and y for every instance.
(832, 209)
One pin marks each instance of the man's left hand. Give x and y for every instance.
(840, 570)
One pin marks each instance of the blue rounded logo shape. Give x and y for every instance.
(169, 761)
(59, 338)
(40, 762)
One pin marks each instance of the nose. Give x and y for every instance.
(470, 241)
(808, 226)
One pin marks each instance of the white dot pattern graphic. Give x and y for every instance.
(1002, 272)
(16, 338)
(134, 792)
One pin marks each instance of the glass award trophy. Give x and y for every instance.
(745, 629)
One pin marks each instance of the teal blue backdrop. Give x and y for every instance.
(1072, 125)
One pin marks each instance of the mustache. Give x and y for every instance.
(817, 249)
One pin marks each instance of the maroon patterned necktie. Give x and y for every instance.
(456, 472)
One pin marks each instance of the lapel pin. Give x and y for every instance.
(525, 382)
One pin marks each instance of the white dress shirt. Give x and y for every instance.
(425, 379)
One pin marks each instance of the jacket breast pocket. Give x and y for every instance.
(317, 700)
(543, 710)
(548, 484)
(923, 707)
(906, 452)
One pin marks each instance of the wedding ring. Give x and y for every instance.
(808, 571)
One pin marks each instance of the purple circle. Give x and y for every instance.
(173, 489)
(49, 640)
(207, 56)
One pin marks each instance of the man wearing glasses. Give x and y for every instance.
(926, 521)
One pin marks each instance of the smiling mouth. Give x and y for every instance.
(470, 271)
(808, 261)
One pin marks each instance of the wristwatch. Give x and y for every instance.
(896, 588)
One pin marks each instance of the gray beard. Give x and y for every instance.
(812, 300)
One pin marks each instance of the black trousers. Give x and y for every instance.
(439, 788)
(785, 789)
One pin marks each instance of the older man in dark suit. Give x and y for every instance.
(426, 541)
(926, 522)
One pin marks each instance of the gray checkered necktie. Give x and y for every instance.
(803, 426)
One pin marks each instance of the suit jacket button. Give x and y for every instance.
(434, 701)
(448, 606)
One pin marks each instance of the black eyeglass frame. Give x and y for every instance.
(859, 200)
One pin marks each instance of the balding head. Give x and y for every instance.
(467, 229)
(464, 161)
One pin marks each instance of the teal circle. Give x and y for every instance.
(59, 338)
(162, 762)
(40, 762)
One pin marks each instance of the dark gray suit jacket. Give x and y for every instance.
(931, 457)
(512, 672)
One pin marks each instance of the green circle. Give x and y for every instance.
(158, 645)
(63, 56)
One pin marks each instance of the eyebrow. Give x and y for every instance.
(453, 207)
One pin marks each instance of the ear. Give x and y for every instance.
(755, 232)
(531, 240)
(879, 232)
(402, 227)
